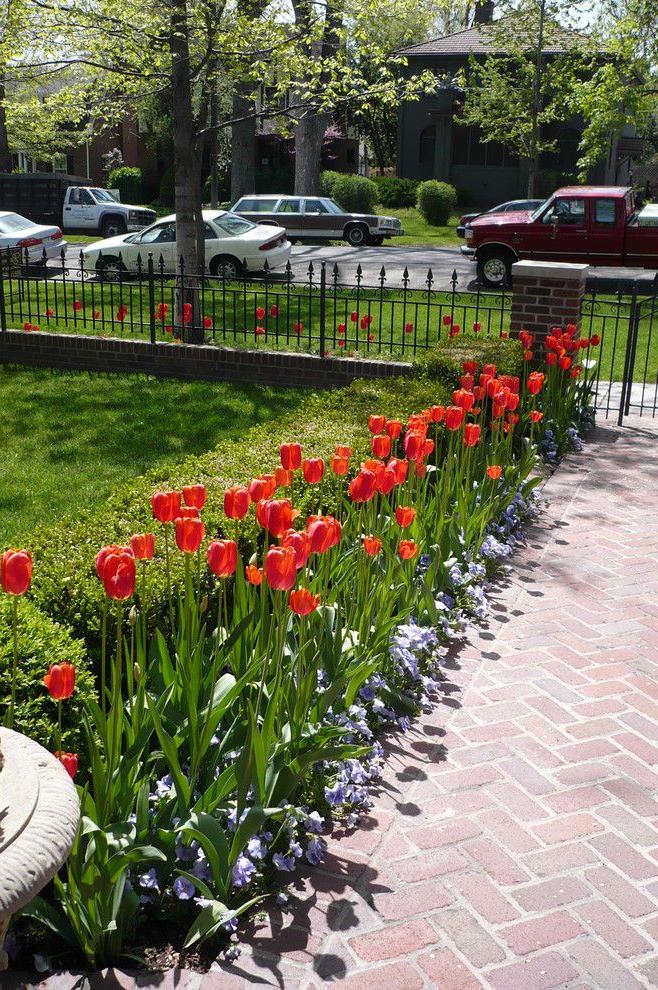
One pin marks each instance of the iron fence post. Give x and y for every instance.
(629, 359)
(323, 306)
(3, 313)
(151, 278)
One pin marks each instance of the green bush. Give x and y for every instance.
(356, 193)
(129, 183)
(399, 193)
(328, 180)
(41, 642)
(436, 201)
(443, 363)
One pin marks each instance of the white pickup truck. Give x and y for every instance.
(87, 208)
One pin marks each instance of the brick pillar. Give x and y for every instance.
(546, 294)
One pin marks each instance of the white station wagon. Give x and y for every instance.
(233, 246)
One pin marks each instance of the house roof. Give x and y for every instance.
(483, 40)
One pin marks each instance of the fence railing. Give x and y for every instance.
(320, 309)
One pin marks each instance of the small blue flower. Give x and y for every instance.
(149, 880)
(284, 863)
(183, 889)
(315, 850)
(242, 872)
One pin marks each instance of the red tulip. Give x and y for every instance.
(263, 487)
(260, 313)
(372, 545)
(282, 477)
(291, 456)
(464, 399)
(60, 681)
(236, 502)
(69, 761)
(489, 369)
(386, 481)
(259, 331)
(407, 549)
(313, 470)
(300, 542)
(166, 506)
(564, 362)
(364, 323)
(405, 515)
(399, 468)
(376, 424)
(595, 340)
(471, 434)
(303, 602)
(16, 571)
(222, 557)
(494, 471)
(477, 327)
(111, 550)
(536, 380)
(324, 533)
(454, 417)
(447, 320)
(454, 330)
(143, 546)
(393, 428)
(276, 515)
(408, 328)
(253, 574)
(207, 322)
(189, 534)
(77, 305)
(413, 444)
(341, 329)
(469, 367)
(280, 568)
(189, 512)
(362, 487)
(274, 311)
(343, 451)
(118, 574)
(381, 446)
(340, 465)
(436, 414)
(194, 496)
(536, 416)
(551, 358)
(354, 317)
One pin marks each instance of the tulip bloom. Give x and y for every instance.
(194, 496)
(408, 328)
(362, 487)
(300, 542)
(260, 488)
(260, 313)
(276, 515)
(236, 502)
(466, 400)
(340, 465)
(376, 424)
(400, 468)
(536, 416)
(372, 545)
(454, 417)
(166, 506)
(111, 550)
(471, 434)
(282, 477)
(436, 414)
(494, 471)
(413, 444)
(595, 340)
(477, 327)
(16, 571)
(303, 602)
(407, 549)
(118, 574)
(291, 456)
(536, 381)
(60, 681)
(405, 515)
(386, 481)
(343, 451)
(253, 574)
(143, 546)
(313, 470)
(222, 557)
(393, 428)
(564, 362)
(447, 320)
(69, 761)
(551, 358)
(381, 445)
(324, 533)
(280, 568)
(189, 534)
(354, 317)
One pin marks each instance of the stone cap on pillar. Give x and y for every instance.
(550, 270)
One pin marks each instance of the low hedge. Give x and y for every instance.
(41, 642)
(436, 201)
(394, 192)
(443, 363)
(129, 183)
(65, 585)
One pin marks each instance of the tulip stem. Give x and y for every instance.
(59, 728)
(103, 654)
(14, 662)
(168, 570)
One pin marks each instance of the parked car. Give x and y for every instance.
(48, 197)
(20, 235)
(511, 206)
(233, 246)
(318, 218)
(598, 225)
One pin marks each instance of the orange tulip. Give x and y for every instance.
(166, 506)
(386, 481)
(143, 546)
(393, 428)
(536, 380)
(303, 602)
(194, 496)
(236, 502)
(280, 568)
(463, 398)
(400, 468)
(372, 545)
(376, 424)
(343, 451)
(436, 414)
(189, 534)
(454, 417)
(324, 533)
(313, 470)
(253, 574)
(405, 515)
(362, 487)
(471, 434)
(407, 549)
(413, 444)
(60, 681)
(16, 571)
(381, 446)
(291, 456)
(222, 557)
(276, 515)
(300, 542)
(494, 471)
(340, 465)
(536, 416)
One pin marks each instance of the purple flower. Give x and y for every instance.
(315, 822)
(315, 851)
(256, 848)
(183, 889)
(242, 872)
(284, 863)
(335, 795)
(149, 880)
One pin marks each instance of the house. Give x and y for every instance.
(432, 145)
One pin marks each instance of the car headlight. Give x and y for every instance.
(468, 234)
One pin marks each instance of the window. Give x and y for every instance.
(12, 222)
(427, 145)
(468, 148)
(103, 196)
(256, 205)
(232, 225)
(314, 206)
(568, 212)
(164, 233)
(605, 212)
(290, 206)
(80, 197)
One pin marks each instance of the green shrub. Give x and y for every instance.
(355, 193)
(65, 583)
(328, 180)
(399, 193)
(436, 201)
(129, 183)
(443, 363)
(41, 642)
(167, 187)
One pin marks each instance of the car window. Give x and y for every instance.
(605, 212)
(86, 199)
(314, 206)
(568, 212)
(332, 207)
(103, 196)
(247, 205)
(231, 225)
(163, 233)
(290, 206)
(13, 221)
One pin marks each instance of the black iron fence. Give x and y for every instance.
(320, 309)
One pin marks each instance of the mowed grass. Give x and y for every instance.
(67, 439)
(419, 233)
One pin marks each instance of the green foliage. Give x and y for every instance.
(443, 363)
(397, 192)
(356, 193)
(328, 180)
(436, 201)
(41, 642)
(129, 183)
(167, 182)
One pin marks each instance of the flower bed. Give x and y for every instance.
(227, 738)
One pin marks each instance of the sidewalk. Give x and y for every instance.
(514, 844)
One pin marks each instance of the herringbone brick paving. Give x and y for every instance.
(514, 843)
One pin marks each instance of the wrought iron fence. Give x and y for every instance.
(319, 310)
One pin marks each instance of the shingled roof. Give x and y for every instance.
(481, 39)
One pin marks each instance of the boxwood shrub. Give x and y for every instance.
(443, 363)
(436, 201)
(41, 642)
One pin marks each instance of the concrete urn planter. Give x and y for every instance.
(39, 816)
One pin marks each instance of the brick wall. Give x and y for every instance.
(546, 294)
(188, 361)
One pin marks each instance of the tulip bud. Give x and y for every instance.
(203, 605)
(137, 673)
(132, 616)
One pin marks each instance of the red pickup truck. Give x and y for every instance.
(596, 225)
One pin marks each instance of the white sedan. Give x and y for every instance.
(19, 233)
(233, 246)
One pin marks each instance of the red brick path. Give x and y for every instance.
(514, 846)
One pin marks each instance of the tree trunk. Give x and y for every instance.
(243, 143)
(5, 154)
(308, 152)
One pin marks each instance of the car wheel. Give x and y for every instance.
(495, 270)
(225, 266)
(113, 227)
(357, 235)
(375, 241)
(110, 269)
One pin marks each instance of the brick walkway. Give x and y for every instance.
(514, 844)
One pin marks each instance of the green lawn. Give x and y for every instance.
(68, 439)
(419, 233)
